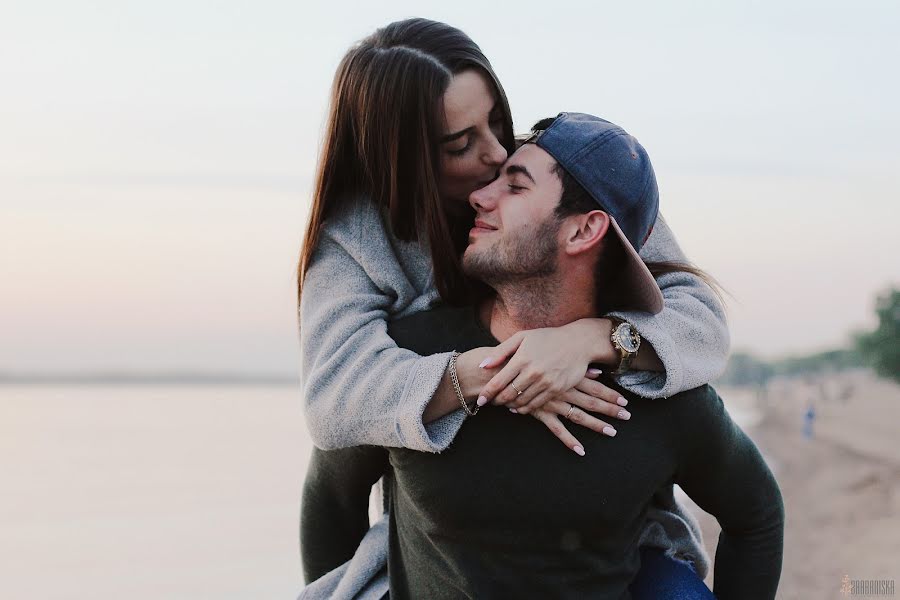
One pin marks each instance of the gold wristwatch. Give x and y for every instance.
(626, 340)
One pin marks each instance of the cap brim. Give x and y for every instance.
(641, 292)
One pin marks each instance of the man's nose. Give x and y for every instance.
(483, 199)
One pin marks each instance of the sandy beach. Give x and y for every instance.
(841, 488)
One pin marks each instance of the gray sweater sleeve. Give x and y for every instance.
(690, 335)
(358, 386)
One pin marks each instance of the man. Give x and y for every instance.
(556, 237)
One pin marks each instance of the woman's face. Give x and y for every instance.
(470, 147)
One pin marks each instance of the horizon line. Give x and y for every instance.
(149, 378)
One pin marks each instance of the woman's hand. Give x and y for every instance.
(546, 363)
(578, 407)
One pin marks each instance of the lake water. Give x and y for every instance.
(150, 492)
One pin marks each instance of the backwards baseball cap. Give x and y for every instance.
(615, 170)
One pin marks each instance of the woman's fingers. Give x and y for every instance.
(511, 396)
(499, 389)
(503, 352)
(537, 388)
(535, 403)
(579, 416)
(535, 370)
(589, 395)
(552, 413)
(527, 403)
(598, 390)
(592, 403)
(556, 427)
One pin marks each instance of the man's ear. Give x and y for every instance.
(585, 231)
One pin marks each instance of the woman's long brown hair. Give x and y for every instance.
(381, 141)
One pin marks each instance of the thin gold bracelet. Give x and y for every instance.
(457, 389)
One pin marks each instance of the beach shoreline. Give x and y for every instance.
(841, 487)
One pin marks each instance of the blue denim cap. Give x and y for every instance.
(615, 170)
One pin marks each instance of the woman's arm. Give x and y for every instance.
(723, 472)
(358, 386)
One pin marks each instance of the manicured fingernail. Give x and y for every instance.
(484, 363)
(594, 372)
(609, 431)
(578, 450)
(481, 401)
(621, 401)
(514, 411)
(624, 415)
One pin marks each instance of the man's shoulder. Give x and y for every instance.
(698, 394)
(685, 419)
(700, 408)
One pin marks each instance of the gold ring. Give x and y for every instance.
(571, 408)
(515, 388)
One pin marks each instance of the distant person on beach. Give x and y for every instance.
(504, 512)
(809, 418)
(418, 122)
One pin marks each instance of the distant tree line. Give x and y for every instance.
(878, 349)
(881, 348)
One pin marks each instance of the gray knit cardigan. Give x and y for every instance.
(360, 388)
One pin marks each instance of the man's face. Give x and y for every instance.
(516, 232)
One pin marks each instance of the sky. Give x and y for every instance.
(156, 160)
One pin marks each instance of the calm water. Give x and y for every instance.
(150, 492)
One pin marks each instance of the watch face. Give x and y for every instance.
(627, 337)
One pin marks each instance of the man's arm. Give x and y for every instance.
(723, 472)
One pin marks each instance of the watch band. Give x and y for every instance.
(624, 362)
(625, 356)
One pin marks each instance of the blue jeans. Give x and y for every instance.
(662, 578)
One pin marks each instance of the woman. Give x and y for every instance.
(419, 121)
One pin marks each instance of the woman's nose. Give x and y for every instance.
(496, 154)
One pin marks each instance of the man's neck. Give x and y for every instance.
(535, 303)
